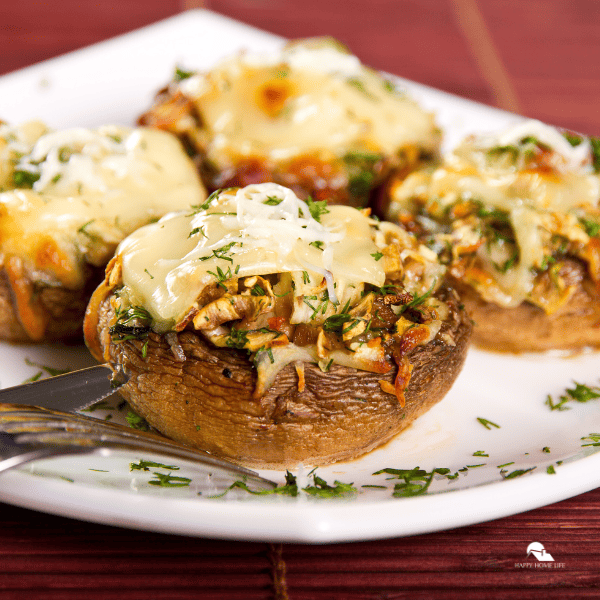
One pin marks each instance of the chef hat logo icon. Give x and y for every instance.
(539, 552)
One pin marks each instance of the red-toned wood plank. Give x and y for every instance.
(551, 49)
(32, 31)
(417, 40)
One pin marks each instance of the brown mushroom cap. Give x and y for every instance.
(527, 328)
(206, 399)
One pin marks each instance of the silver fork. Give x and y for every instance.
(30, 433)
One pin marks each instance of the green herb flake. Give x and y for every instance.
(546, 449)
(517, 473)
(579, 393)
(180, 74)
(317, 208)
(594, 439)
(355, 82)
(487, 424)
(34, 377)
(414, 481)
(146, 465)
(206, 204)
(137, 422)
(273, 201)
(290, 488)
(197, 230)
(52, 371)
(480, 453)
(377, 255)
(321, 489)
(550, 470)
(168, 480)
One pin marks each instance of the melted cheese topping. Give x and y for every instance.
(539, 201)
(313, 98)
(71, 196)
(257, 230)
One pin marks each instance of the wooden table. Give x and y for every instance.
(538, 58)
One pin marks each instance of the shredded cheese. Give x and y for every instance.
(257, 230)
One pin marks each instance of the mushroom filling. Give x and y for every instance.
(288, 281)
(516, 216)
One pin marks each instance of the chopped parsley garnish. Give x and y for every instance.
(290, 488)
(169, 480)
(360, 86)
(222, 276)
(592, 228)
(137, 422)
(180, 74)
(25, 179)
(206, 204)
(146, 465)
(52, 371)
(417, 300)
(317, 244)
(132, 324)
(257, 290)
(517, 473)
(594, 439)
(223, 253)
(414, 481)
(507, 264)
(580, 393)
(487, 424)
(273, 201)
(83, 229)
(34, 377)
(238, 338)
(377, 255)
(321, 489)
(197, 230)
(317, 208)
(480, 453)
(551, 470)
(335, 323)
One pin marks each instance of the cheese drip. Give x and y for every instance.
(257, 230)
(539, 201)
(312, 98)
(71, 196)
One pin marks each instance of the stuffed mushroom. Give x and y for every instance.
(67, 198)
(516, 217)
(273, 331)
(310, 117)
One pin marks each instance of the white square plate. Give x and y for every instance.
(115, 81)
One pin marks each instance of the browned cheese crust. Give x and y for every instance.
(206, 400)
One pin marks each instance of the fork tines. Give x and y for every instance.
(43, 433)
